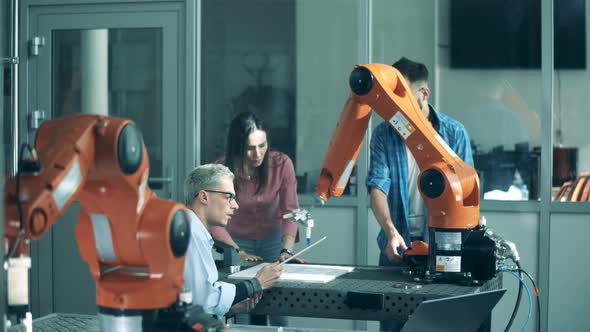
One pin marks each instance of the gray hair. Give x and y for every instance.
(204, 177)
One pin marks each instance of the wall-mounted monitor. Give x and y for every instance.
(504, 34)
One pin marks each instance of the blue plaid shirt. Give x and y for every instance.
(388, 169)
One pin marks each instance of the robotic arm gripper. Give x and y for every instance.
(133, 242)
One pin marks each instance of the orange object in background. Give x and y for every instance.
(585, 195)
(577, 190)
(133, 242)
(563, 192)
(565, 164)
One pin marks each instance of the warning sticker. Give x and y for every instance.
(402, 125)
(448, 263)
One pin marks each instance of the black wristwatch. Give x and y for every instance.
(284, 250)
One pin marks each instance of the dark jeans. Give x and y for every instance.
(389, 325)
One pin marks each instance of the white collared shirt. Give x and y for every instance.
(416, 206)
(200, 272)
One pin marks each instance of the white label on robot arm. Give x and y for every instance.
(68, 186)
(445, 145)
(345, 174)
(142, 190)
(403, 127)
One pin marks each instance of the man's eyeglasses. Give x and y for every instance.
(231, 197)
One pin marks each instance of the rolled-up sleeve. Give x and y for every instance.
(463, 145)
(378, 175)
(288, 196)
(201, 277)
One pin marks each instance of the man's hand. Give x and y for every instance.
(380, 208)
(269, 275)
(244, 256)
(394, 242)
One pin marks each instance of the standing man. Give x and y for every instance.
(393, 175)
(209, 194)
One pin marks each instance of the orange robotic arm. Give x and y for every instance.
(133, 242)
(459, 248)
(449, 186)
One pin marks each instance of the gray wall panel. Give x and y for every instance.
(569, 273)
(338, 224)
(73, 291)
(523, 230)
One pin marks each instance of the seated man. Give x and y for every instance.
(210, 196)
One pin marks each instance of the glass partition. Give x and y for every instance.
(287, 61)
(489, 79)
(497, 98)
(116, 72)
(6, 121)
(571, 146)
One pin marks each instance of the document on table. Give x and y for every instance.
(299, 272)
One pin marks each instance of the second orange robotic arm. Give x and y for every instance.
(46, 195)
(133, 242)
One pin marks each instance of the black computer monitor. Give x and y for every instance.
(463, 313)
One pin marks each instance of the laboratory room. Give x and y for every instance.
(294, 165)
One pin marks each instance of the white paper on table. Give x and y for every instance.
(299, 272)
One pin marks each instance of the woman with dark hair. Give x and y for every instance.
(266, 188)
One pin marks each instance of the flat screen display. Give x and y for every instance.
(507, 34)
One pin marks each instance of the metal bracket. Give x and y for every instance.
(36, 117)
(35, 44)
(10, 60)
